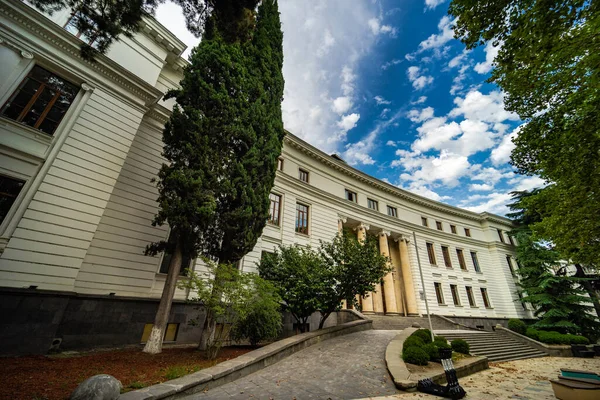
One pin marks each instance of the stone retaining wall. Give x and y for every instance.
(551, 350)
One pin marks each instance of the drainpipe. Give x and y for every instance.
(423, 285)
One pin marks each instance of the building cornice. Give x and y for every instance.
(163, 37)
(46, 30)
(344, 168)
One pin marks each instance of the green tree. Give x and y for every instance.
(548, 66)
(232, 297)
(300, 278)
(105, 20)
(353, 268)
(221, 143)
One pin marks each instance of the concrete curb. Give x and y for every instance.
(551, 350)
(405, 380)
(246, 364)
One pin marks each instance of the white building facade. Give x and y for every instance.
(80, 142)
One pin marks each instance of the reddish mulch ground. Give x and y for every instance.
(55, 377)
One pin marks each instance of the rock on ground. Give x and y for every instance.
(98, 387)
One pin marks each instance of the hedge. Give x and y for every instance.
(412, 341)
(424, 334)
(516, 325)
(460, 346)
(415, 355)
(432, 351)
(553, 337)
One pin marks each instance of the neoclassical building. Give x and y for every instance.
(80, 142)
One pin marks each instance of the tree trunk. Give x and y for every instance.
(154, 343)
(589, 288)
(208, 331)
(323, 319)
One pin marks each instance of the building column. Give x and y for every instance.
(341, 221)
(407, 278)
(367, 302)
(388, 280)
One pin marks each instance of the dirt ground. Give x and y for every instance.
(55, 377)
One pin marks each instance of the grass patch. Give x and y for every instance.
(175, 372)
(136, 385)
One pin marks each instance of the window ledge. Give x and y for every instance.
(489, 308)
(304, 235)
(458, 305)
(474, 307)
(442, 305)
(272, 225)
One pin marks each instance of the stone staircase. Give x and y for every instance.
(495, 346)
(397, 323)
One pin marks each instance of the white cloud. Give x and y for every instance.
(417, 78)
(491, 52)
(380, 100)
(388, 64)
(341, 104)
(431, 4)
(420, 115)
(420, 100)
(384, 112)
(447, 168)
(480, 187)
(377, 28)
(527, 182)
(348, 122)
(327, 44)
(391, 143)
(170, 15)
(501, 154)
(483, 107)
(423, 190)
(437, 41)
(490, 175)
(494, 203)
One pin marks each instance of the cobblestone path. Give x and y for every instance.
(346, 367)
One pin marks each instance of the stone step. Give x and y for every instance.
(493, 351)
(511, 357)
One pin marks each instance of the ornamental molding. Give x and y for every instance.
(342, 167)
(385, 233)
(42, 28)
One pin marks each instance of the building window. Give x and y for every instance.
(475, 261)
(467, 232)
(392, 211)
(170, 333)
(9, 190)
(439, 294)
(351, 196)
(446, 254)
(455, 297)
(511, 240)
(274, 209)
(438, 225)
(166, 260)
(523, 304)
(453, 229)
(424, 221)
(40, 101)
(373, 204)
(71, 26)
(280, 164)
(266, 254)
(470, 296)
(484, 296)
(301, 218)
(500, 235)
(303, 175)
(510, 266)
(461, 259)
(431, 254)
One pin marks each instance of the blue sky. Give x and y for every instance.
(386, 86)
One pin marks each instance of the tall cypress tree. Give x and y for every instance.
(222, 144)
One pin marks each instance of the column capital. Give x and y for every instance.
(342, 218)
(362, 226)
(402, 238)
(384, 233)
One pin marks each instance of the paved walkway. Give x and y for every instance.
(347, 367)
(520, 379)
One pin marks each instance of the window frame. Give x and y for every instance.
(23, 184)
(461, 259)
(424, 222)
(470, 296)
(303, 230)
(439, 226)
(475, 260)
(89, 41)
(455, 294)
(303, 173)
(271, 220)
(467, 232)
(485, 297)
(374, 202)
(510, 239)
(431, 253)
(41, 88)
(446, 256)
(453, 229)
(500, 235)
(510, 265)
(280, 164)
(439, 293)
(352, 194)
(394, 211)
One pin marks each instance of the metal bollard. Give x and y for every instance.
(453, 389)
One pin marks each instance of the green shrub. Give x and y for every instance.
(424, 334)
(175, 372)
(262, 323)
(576, 339)
(412, 341)
(553, 337)
(533, 334)
(440, 339)
(460, 346)
(442, 345)
(415, 355)
(432, 351)
(516, 325)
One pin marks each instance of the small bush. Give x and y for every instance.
(424, 334)
(440, 339)
(262, 323)
(533, 334)
(576, 339)
(442, 345)
(460, 346)
(415, 355)
(432, 351)
(412, 341)
(516, 325)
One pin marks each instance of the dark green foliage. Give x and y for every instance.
(432, 351)
(533, 333)
(516, 325)
(412, 341)
(415, 355)
(440, 338)
(424, 335)
(548, 69)
(442, 345)
(460, 346)
(553, 337)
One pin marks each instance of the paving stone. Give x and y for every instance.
(346, 367)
